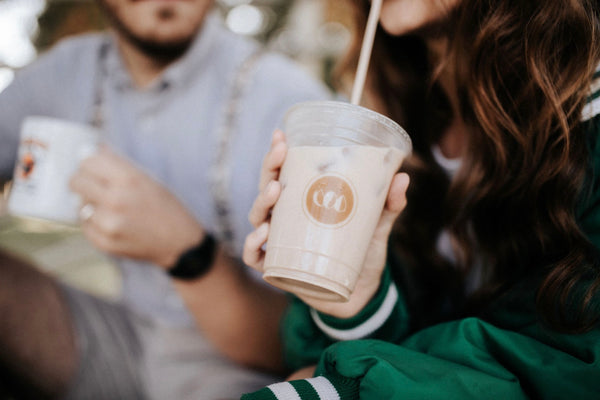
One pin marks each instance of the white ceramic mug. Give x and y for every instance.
(50, 151)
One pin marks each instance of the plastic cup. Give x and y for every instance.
(335, 180)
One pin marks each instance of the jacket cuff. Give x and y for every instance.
(320, 387)
(368, 320)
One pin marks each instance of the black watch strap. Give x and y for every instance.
(196, 261)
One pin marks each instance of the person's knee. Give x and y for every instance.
(37, 346)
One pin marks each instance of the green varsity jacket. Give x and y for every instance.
(507, 355)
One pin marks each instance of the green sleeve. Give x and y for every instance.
(470, 359)
(307, 333)
(464, 359)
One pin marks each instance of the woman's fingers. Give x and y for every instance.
(259, 212)
(253, 253)
(269, 189)
(396, 200)
(395, 203)
(273, 160)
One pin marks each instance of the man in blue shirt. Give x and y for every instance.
(186, 109)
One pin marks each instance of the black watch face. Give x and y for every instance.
(196, 261)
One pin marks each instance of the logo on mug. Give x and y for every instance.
(30, 154)
(330, 200)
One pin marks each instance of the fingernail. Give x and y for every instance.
(274, 136)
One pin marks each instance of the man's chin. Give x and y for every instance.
(169, 50)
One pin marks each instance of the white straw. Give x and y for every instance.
(365, 51)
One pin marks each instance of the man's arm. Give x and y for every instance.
(136, 217)
(239, 315)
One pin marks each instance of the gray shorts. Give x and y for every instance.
(126, 356)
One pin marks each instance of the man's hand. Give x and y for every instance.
(133, 215)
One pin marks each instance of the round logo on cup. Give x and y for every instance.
(330, 200)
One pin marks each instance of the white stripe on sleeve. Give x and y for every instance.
(590, 110)
(324, 388)
(284, 391)
(366, 328)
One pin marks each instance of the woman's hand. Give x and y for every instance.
(369, 279)
(269, 191)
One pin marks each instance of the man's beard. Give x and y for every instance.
(164, 52)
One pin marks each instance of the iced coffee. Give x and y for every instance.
(335, 181)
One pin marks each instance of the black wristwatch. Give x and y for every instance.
(196, 261)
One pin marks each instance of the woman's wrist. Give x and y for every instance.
(368, 320)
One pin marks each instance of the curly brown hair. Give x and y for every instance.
(522, 71)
